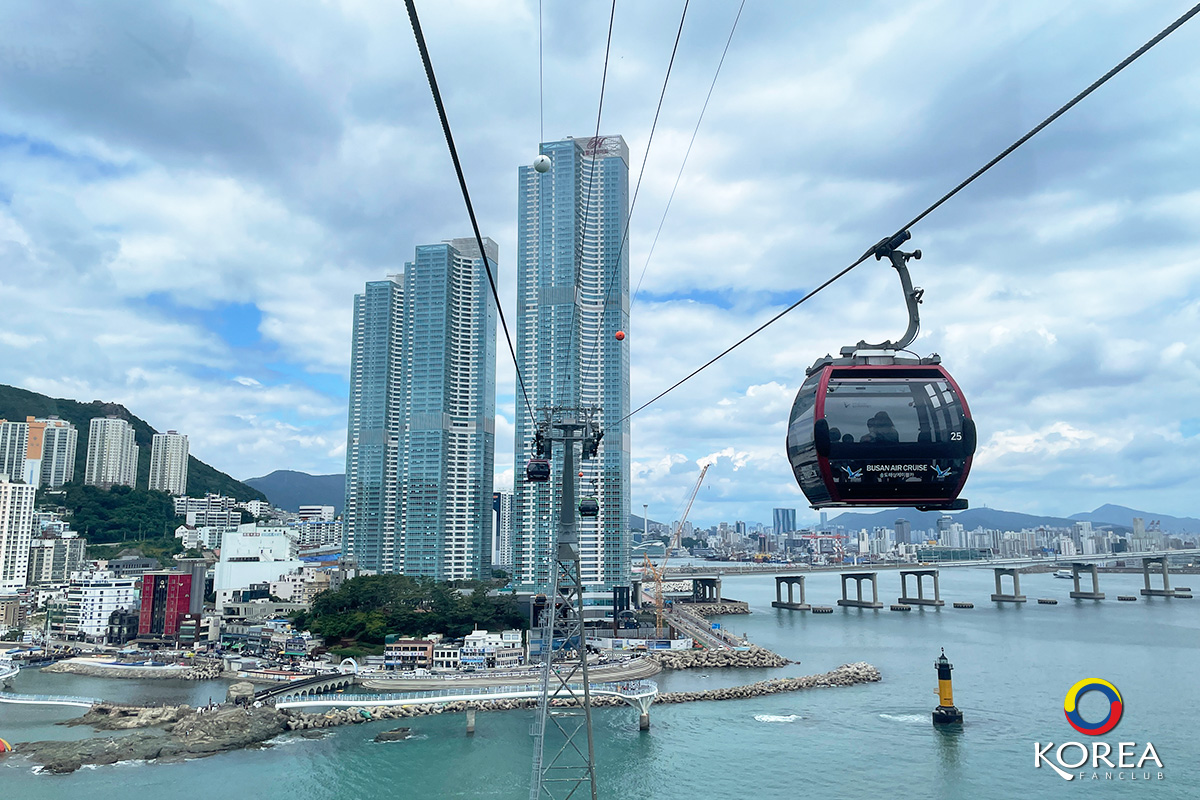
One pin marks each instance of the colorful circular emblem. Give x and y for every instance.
(1071, 707)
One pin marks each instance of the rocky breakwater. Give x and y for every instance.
(202, 670)
(845, 675)
(755, 656)
(719, 609)
(192, 734)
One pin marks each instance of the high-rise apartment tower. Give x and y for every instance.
(421, 439)
(112, 455)
(572, 299)
(169, 463)
(16, 533)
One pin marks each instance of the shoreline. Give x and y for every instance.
(175, 733)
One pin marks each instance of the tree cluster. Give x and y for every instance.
(369, 608)
(119, 514)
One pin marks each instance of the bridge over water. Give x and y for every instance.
(638, 694)
(48, 700)
(726, 568)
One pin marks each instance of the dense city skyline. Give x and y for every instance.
(201, 236)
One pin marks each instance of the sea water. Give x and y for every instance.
(1013, 666)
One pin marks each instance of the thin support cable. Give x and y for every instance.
(541, 93)
(687, 153)
(637, 186)
(1062, 110)
(462, 182)
(593, 145)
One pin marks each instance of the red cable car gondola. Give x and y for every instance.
(875, 428)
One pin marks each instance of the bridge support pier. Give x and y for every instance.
(642, 704)
(791, 581)
(920, 599)
(1166, 590)
(1095, 593)
(706, 590)
(1000, 596)
(470, 722)
(858, 578)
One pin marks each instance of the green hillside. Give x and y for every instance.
(17, 404)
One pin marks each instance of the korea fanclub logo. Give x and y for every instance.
(1094, 760)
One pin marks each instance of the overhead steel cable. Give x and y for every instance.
(462, 182)
(594, 145)
(641, 173)
(541, 91)
(900, 234)
(687, 152)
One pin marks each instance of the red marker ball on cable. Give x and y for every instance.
(620, 336)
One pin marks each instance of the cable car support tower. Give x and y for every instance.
(565, 701)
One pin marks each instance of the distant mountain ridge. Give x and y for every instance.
(16, 404)
(1124, 516)
(289, 489)
(1119, 518)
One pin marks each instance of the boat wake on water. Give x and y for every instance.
(905, 717)
(776, 717)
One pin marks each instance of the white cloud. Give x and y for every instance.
(250, 165)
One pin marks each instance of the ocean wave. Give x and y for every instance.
(905, 717)
(776, 717)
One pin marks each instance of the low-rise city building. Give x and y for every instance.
(409, 654)
(92, 597)
(446, 655)
(212, 509)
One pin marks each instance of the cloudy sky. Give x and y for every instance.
(191, 194)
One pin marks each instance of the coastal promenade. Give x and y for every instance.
(630, 670)
(635, 693)
(48, 700)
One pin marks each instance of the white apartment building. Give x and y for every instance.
(14, 443)
(16, 533)
(301, 587)
(112, 454)
(52, 558)
(205, 537)
(317, 513)
(169, 462)
(503, 538)
(254, 554)
(318, 533)
(48, 460)
(59, 439)
(258, 508)
(212, 509)
(92, 597)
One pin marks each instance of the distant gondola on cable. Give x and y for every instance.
(537, 470)
(875, 428)
(589, 508)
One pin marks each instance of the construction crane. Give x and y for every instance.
(648, 567)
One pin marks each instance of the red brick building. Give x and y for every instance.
(166, 599)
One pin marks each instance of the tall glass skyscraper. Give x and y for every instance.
(373, 428)
(421, 435)
(572, 298)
